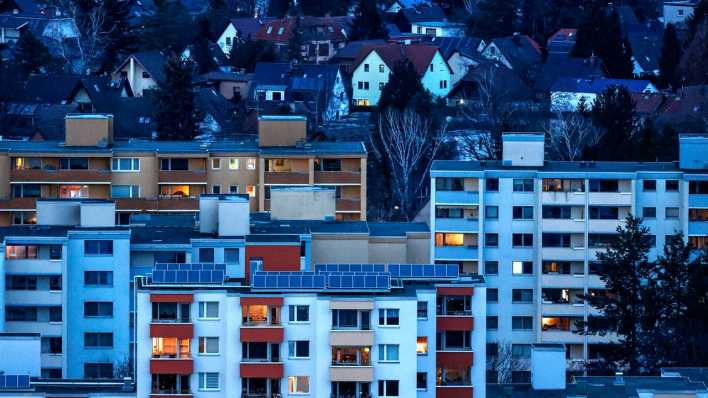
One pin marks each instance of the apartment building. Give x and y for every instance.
(169, 176)
(534, 228)
(407, 337)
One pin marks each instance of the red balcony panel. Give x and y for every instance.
(172, 366)
(454, 392)
(178, 330)
(262, 334)
(171, 298)
(455, 291)
(444, 323)
(275, 301)
(261, 370)
(454, 359)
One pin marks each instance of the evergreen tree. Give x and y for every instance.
(647, 143)
(367, 23)
(218, 15)
(245, 55)
(323, 7)
(169, 28)
(613, 112)
(693, 68)
(670, 57)
(200, 48)
(404, 89)
(174, 101)
(279, 8)
(600, 33)
(31, 56)
(294, 49)
(493, 18)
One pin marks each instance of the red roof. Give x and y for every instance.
(647, 103)
(420, 55)
(563, 35)
(313, 28)
(278, 30)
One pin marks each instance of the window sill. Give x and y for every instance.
(208, 354)
(208, 319)
(299, 358)
(390, 326)
(299, 323)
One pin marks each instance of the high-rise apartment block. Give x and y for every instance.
(534, 228)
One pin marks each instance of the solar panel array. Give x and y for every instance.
(350, 268)
(359, 281)
(423, 271)
(14, 382)
(172, 273)
(288, 280)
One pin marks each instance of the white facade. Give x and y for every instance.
(677, 12)
(227, 38)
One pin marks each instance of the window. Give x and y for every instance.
(351, 319)
(366, 67)
(520, 376)
(73, 164)
(522, 267)
(299, 313)
(381, 85)
(443, 83)
(523, 185)
(251, 191)
(521, 322)
(649, 212)
(672, 212)
(98, 247)
(491, 240)
(604, 186)
(601, 240)
(55, 314)
(208, 345)
(381, 68)
(20, 282)
(233, 189)
(298, 384)
(522, 240)
(422, 310)
(98, 309)
(98, 340)
(17, 252)
(206, 255)
(216, 189)
(557, 212)
(521, 351)
(51, 345)
(491, 184)
(449, 184)
(523, 212)
(125, 164)
(98, 278)
(672, 185)
(208, 380)
(561, 185)
(698, 187)
(388, 388)
(491, 212)
(698, 214)
(421, 345)
(55, 283)
(231, 256)
(98, 370)
(492, 295)
(388, 317)
(522, 295)
(603, 213)
(449, 239)
(388, 352)
(421, 381)
(21, 314)
(125, 191)
(55, 252)
(26, 190)
(492, 323)
(649, 185)
(233, 164)
(491, 267)
(216, 164)
(208, 309)
(555, 240)
(299, 349)
(170, 164)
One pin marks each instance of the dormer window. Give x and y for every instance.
(281, 30)
(146, 75)
(431, 67)
(270, 30)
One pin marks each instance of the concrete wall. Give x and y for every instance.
(89, 130)
(281, 130)
(21, 354)
(306, 203)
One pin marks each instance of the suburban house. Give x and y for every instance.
(346, 56)
(321, 36)
(560, 65)
(238, 29)
(645, 39)
(428, 20)
(491, 79)
(461, 53)
(217, 56)
(375, 63)
(678, 11)
(229, 83)
(394, 6)
(518, 52)
(142, 70)
(567, 92)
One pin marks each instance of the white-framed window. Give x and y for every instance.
(299, 349)
(233, 188)
(233, 164)
(232, 255)
(251, 190)
(299, 313)
(125, 164)
(208, 381)
(208, 346)
(216, 189)
(216, 164)
(251, 164)
(388, 388)
(298, 384)
(125, 191)
(388, 352)
(209, 309)
(388, 317)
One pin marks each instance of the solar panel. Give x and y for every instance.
(211, 275)
(189, 267)
(423, 271)
(324, 268)
(288, 280)
(14, 382)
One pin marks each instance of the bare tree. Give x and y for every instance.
(86, 51)
(410, 142)
(504, 362)
(569, 133)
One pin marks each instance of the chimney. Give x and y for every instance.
(548, 367)
(523, 149)
(281, 130)
(94, 130)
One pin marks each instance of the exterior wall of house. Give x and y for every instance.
(226, 39)
(492, 52)
(338, 104)
(438, 30)
(437, 78)
(376, 77)
(677, 12)
(138, 78)
(460, 65)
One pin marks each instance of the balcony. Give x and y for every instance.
(569, 337)
(568, 309)
(92, 176)
(167, 329)
(604, 226)
(563, 198)
(456, 198)
(561, 281)
(453, 391)
(33, 297)
(348, 205)
(451, 322)
(33, 266)
(563, 225)
(286, 177)
(337, 177)
(262, 334)
(611, 198)
(169, 395)
(456, 359)
(183, 177)
(18, 204)
(351, 373)
(173, 366)
(461, 253)
(351, 338)
(698, 227)
(457, 224)
(162, 204)
(564, 253)
(267, 370)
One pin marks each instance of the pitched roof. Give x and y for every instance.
(562, 41)
(50, 88)
(278, 30)
(153, 61)
(520, 50)
(646, 44)
(351, 49)
(423, 14)
(420, 55)
(508, 84)
(596, 86)
(449, 45)
(246, 27)
(560, 65)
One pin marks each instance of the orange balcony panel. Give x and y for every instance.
(178, 330)
(455, 291)
(444, 323)
(172, 366)
(451, 358)
(454, 392)
(348, 205)
(261, 370)
(286, 177)
(67, 176)
(18, 204)
(183, 176)
(262, 334)
(337, 177)
(275, 301)
(171, 298)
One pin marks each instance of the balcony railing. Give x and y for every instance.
(286, 177)
(53, 175)
(337, 177)
(18, 203)
(453, 348)
(272, 395)
(164, 203)
(183, 176)
(348, 205)
(172, 391)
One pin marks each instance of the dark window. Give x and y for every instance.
(98, 309)
(649, 212)
(98, 340)
(98, 278)
(55, 252)
(523, 185)
(422, 309)
(672, 185)
(55, 283)
(388, 388)
(603, 213)
(492, 295)
(522, 295)
(520, 376)
(170, 257)
(328, 165)
(73, 163)
(521, 322)
(98, 247)
(20, 282)
(522, 267)
(491, 267)
(421, 381)
(26, 191)
(523, 212)
(555, 240)
(51, 345)
(492, 323)
(454, 212)
(206, 255)
(98, 370)
(168, 164)
(491, 240)
(299, 313)
(55, 314)
(231, 256)
(522, 240)
(557, 212)
(698, 187)
(20, 314)
(604, 186)
(649, 185)
(601, 240)
(492, 184)
(449, 184)
(491, 212)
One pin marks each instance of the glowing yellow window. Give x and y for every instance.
(421, 347)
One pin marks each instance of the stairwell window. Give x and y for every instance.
(98, 247)
(388, 352)
(125, 164)
(388, 317)
(208, 381)
(298, 385)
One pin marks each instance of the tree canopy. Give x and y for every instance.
(175, 113)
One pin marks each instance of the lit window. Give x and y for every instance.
(421, 347)
(233, 164)
(251, 190)
(170, 347)
(251, 164)
(299, 384)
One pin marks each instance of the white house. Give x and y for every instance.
(143, 71)
(568, 92)
(439, 28)
(375, 63)
(238, 29)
